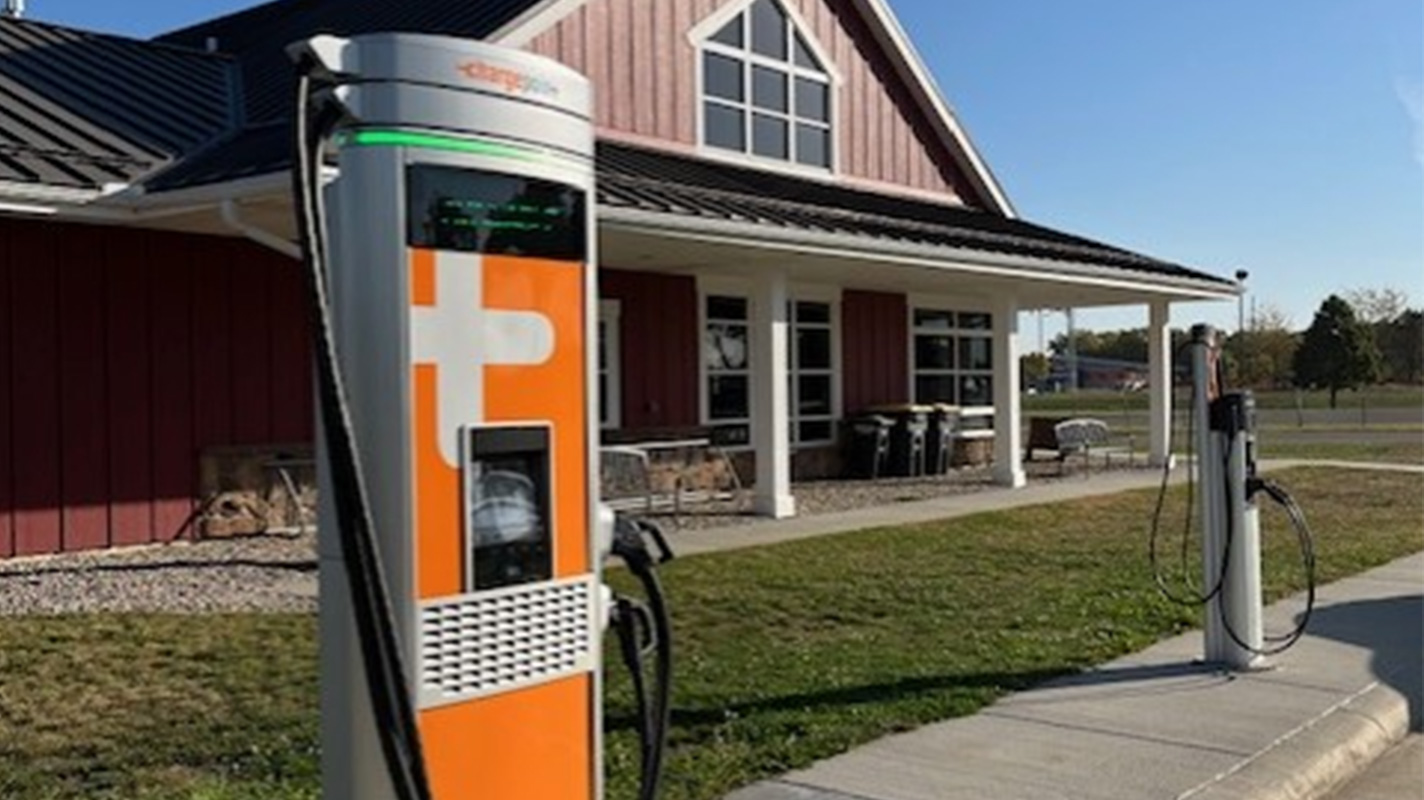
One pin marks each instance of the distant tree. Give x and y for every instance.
(1123, 345)
(1262, 356)
(1401, 345)
(1337, 351)
(1377, 306)
(1033, 368)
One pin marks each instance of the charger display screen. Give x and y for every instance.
(478, 211)
(508, 529)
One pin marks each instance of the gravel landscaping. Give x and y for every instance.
(260, 573)
(830, 496)
(277, 573)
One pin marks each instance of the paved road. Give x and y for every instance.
(1275, 418)
(1397, 776)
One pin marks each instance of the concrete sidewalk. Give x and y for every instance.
(1158, 725)
(769, 531)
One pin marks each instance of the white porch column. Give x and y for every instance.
(1159, 384)
(1008, 417)
(771, 424)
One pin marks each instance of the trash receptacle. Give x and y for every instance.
(907, 438)
(939, 439)
(869, 445)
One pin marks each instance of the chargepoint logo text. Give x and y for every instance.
(510, 80)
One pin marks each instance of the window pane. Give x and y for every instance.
(813, 312)
(813, 348)
(768, 136)
(727, 397)
(731, 33)
(813, 146)
(976, 352)
(939, 320)
(934, 389)
(722, 77)
(976, 390)
(731, 435)
(726, 307)
(814, 396)
(726, 127)
(976, 322)
(603, 399)
(769, 89)
(819, 431)
(726, 346)
(934, 352)
(768, 30)
(804, 57)
(813, 100)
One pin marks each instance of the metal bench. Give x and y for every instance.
(647, 475)
(1084, 437)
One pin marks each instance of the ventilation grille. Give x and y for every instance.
(493, 642)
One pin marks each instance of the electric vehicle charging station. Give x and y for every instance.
(1225, 429)
(462, 603)
(1223, 437)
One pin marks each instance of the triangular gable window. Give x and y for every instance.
(804, 56)
(764, 91)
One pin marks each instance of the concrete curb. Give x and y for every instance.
(1320, 756)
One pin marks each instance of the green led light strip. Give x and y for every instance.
(376, 137)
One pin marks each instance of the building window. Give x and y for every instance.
(727, 356)
(610, 365)
(812, 385)
(954, 357)
(812, 377)
(764, 92)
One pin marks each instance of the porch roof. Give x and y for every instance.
(671, 184)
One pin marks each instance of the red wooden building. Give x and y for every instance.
(793, 227)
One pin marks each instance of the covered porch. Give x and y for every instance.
(766, 312)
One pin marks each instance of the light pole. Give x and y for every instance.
(1241, 276)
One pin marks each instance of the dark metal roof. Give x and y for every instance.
(81, 109)
(260, 149)
(258, 36)
(660, 182)
(667, 183)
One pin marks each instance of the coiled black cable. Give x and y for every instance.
(1279, 643)
(654, 709)
(386, 678)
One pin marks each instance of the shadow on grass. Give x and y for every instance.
(848, 696)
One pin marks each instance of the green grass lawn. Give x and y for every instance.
(786, 653)
(1393, 452)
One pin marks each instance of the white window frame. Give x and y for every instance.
(610, 327)
(700, 37)
(956, 307)
(832, 299)
(740, 290)
(717, 286)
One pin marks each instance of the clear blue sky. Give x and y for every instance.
(1285, 137)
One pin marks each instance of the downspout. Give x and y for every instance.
(232, 217)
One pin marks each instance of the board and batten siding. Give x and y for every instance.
(875, 349)
(644, 71)
(123, 354)
(658, 353)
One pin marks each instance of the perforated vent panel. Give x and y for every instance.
(496, 641)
